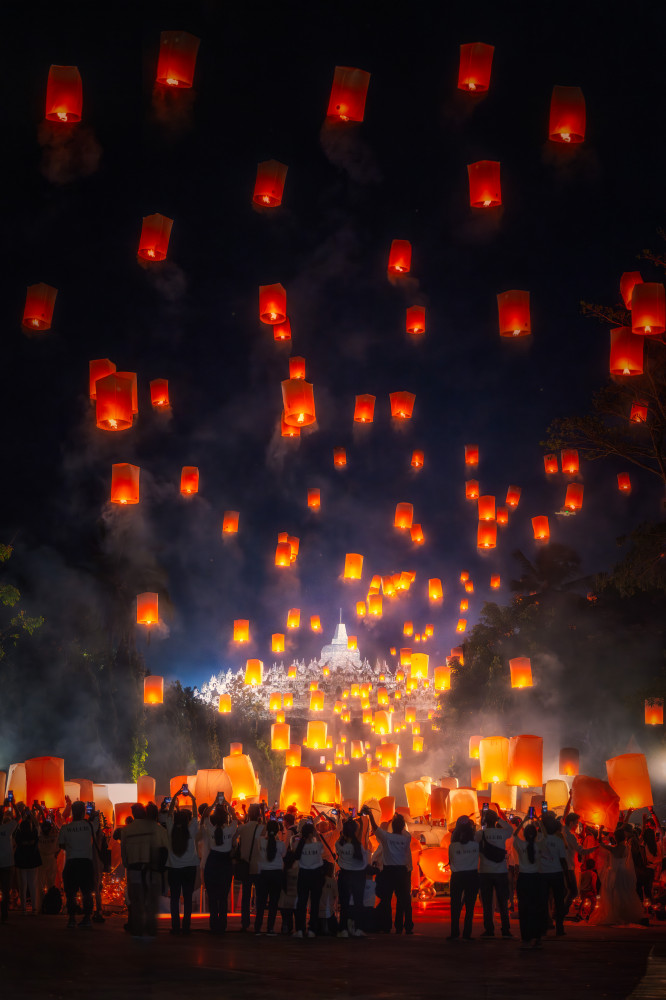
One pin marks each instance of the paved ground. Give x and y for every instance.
(40, 958)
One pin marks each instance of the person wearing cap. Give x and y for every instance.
(464, 885)
(494, 871)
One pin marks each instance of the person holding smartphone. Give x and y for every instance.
(553, 866)
(396, 873)
(464, 885)
(532, 896)
(220, 831)
(182, 825)
(494, 871)
(76, 840)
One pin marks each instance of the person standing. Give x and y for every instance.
(269, 886)
(396, 873)
(182, 826)
(573, 849)
(28, 860)
(219, 830)
(493, 871)
(76, 840)
(309, 854)
(553, 866)
(464, 885)
(247, 865)
(8, 825)
(530, 886)
(353, 861)
(144, 847)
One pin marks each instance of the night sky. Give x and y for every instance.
(572, 220)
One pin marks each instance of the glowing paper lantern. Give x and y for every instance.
(648, 309)
(514, 314)
(486, 535)
(372, 785)
(628, 281)
(125, 483)
(521, 674)
(502, 515)
(435, 591)
(457, 652)
(639, 412)
(569, 762)
(269, 185)
(282, 331)
(471, 454)
(402, 405)
(624, 482)
(404, 514)
(210, 782)
(354, 569)
(417, 459)
(241, 630)
(146, 609)
(326, 788)
(240, 771)
(224, 705)
(595, 801)
(189, 480)
(415, 321)
(472, 489)
(297, 789)
(628, 776)
(286, 430)
(494, 758)
(550, 464)
(495, 582)
(525, 763)
(513, 496)
(277, 642)
(177, 59)
(574, 498)
(400, 257)
(154, 240)
(352, 642)
(38, 309)
(294, 618)
(484, 184)
(348, 94)
(626, 352)
(317, 701)
(272, 304)
(419, 666)
(159, 392)
(476, 59)
(99, 368)
(360, 609)
(416, 534)
(315, 623)
(459, 802)
(230, 522)
(113, 408)
(280, 736)
(567, 115)
(486, 508)
(153, 690)
(442, 678)
(418, 798)
(283, 554)
(541, 528)
(316, 737)
(288, 699)
(145, 789)
(45, 782)
(654, 711)
(296, 367)
(64, 95)
(569, 461)
(339, 457)
(375, 608)
(293, 755)
(298, 399)
(364, 409)
(462, 625)
(254, 672)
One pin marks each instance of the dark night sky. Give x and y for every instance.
(571, 222)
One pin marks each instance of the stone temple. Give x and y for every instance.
(336, 656)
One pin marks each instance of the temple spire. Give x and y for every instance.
(341, 616)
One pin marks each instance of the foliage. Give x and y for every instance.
(19, 624)
(643, 568)
(139, 755)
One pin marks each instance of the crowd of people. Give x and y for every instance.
(331, 873)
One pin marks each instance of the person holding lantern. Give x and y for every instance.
(396, 873)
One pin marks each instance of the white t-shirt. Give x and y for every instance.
(228, 834)
(552, 854)
(190, 857)
(464, 857)
(276, 864)
(6, 843)
(526, 866)
(571, 846)
(76, 838)
(311, 856)
(497, 836)
(347, 859)
(396, 847)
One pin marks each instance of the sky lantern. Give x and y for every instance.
(135, 395)
(574, 497)
(375, 605)
(639, 411)
(153, 690)
(372, 785)
(570, 463)
(626, 352)
(567, 115)
(484, 184)
(269, 185)
(404, 514)
(189, 480)
(145, 789)
(550, 464)
(474, 742)
(298, 400)
(316, 737)
(353, 568)
(418, 799)
(442, 678)
(469, 586)
(382, 697)
(315, 623)
(277, 642)
(471, 454)
(339, 457)
(400, 674)
(628, 282)
(464, 604)
(405, 657)
(521, 672)
(45, 781)
(476, 60)
(294, 618)
(348, 94)
(361, 609)
(280, 736)
(486, 535)
(326, 787)
(502, 515)
(624, 482)
(417, 459)
(154, 239)
(472, 489)
(297, 788)
(513, 496)
(495, 581)
(230, 522)
(541, 528)
(294, 544)
(416, 534)
(400, 258)
(159, 393)
(296, 367)
(402, 405)
(595, 801)
(487, 508)
(288, 431)
(292, 672)
(147, 609)
(64, 95)
(241, 773)
(288, 699)
(125, 483)
(272, 304)
(514, 314)
(408, 628)
(435, 591)
(494, 758)
(382, 722)
(113, 403)
(99, 368)
(357, 751)
(209, 782)
(419, 666)
(628, 776)
(461, 625)
(293, 755)
(648, 309)
(364, 409)
(177, 59)
(254, 673)
(38, 309)
(654, 711)
(282, 331)
(569, 761)
(224, 704)
(415, 320)
(314, 498)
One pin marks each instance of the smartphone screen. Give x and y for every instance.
(544, 807)
(353, 811)
(167, 800)
(10, 795)
(530, 812)
(184, 790)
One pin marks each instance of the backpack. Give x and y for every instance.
(52, 902)
(490, 851)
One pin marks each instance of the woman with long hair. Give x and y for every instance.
(269, 884)
(308, 853)
(28, 860)
(220, 829)
(182, 826)
(464, 886)
(531, 886)
(353, 860)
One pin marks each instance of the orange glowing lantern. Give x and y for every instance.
(372, 785)
(159, 393)
(292, 672)
(574, 498)
(410, 715)
(628, 282)
(494, 758)
(404, 514)
(360, 609)
(486, 535)
(189, 480)
(487, 508)
(442, 678)
(296, 367)
(145, 789)
(287, 431)
(314, 499)
(459, 802)
(38, 312)
(624, 482)
(224, 704)
(297, 789)
(280, 717)
(400, 674)
(472, 489)
(113, 409)
(146, 609)
(316, 701)
(154, 240)
(241, 630)
(348, 94)
(282, 331)
(45, 781)
(364, 409)
(626, 352)
(415, 322)
(125, 483)
(153, 690)
(567, 115)
(326, 787)
(484, 184)
(648, 309)
(352, 642)
(277, 642)
(269, 185)
(230, 522)
(654, 711)
(316, 736)
(462, 625)
(419, 666)
(502, 515)
(416, 534)
(339, 457)
(525, 766)
(569, 763)
(474, 742)
(418, 798)
(357, 751)
(476, 59)
(210, 781)
(513, 496)
(283, 554)
(177, 59)
(628, 776)
(240, 771)
(400, 257)
(354, 570)
(435, 591)
(99, 368)
(315, 623)
(288, 699)
(541, 528)
(280, 736)
(402, 405)
(375, 605)
(550, 464)
(298, 400)
(293, 756)
(595, 801)
(464, 604)
(457, 653)
(131, 376)
(408, 628)
(294, 618)
(495, 582)
(272, 304)
(514, 314)
(254, 672)
(472, 455)
(417, 459)
(122, 811)
(639, 412)
(570, 461)
(475, 778)
(64, 95)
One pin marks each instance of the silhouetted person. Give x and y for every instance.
(76, 839)
(494, 871)
(182, 826)
(464, 885)
(144, 847)
(396, 874)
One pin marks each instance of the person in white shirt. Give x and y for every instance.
(76, 839)
(269, 885)
(532, 900)
(553, 865)
(396, 874)
(464, 885)
(219, 828)
(353, 860)
(309, 854)
(493, 871)
(8, 824)
(182, 826)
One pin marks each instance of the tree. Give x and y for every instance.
(19, 624)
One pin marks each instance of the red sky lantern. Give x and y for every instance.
(639, 411)
(400, 258)
(471, 454)
(462, 625)
(269, 185)
(99, 368)
(159, 393)
(623, 482)
(353, 567)
(375, 605)
(486, 535)
(241, 630)
(286, 430)
(464, 605)
(282, 331)
(64, 95)
(464, 576)
(574, 497)
(339, 457)
(272, 304)
(521, 672)
(294, 618)
(416, 534)
(569, 461)
(39, 305)
(626, 352)
(484, 184)
(404, 515)
(472, 489)
(296, 367)
(486, 507)
(654, 711)
(541, 528)
(435, 591)
(298, 400)
(135, 394)
(315, 623)
(361, 609)
(495, 582)
(277, 642)
(408, 628)
(514, 314)
(189, 480)
(294, 545)
(113, 409)
(348, 94)
(476, 60)
(415, 320)
(283, 554)
(567, 115)
(147, 609)
(513, 496)
(402, 405)
(364, 409)
(154, 240)
(177, 59)
(569, 762)
(648, 309)
(314, 498)
(230, 522)
(153, 690)
(125, 483)
(550, 464)
(417, 459)
(628, 282)
(469, 586)
(502, 515)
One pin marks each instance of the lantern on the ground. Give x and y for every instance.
(254, 672)
(472, 489)
(628, 776)
(189, 480)
(514, 313)
(38, 311)
(159, 393)
(626, 352)
(654, 711)
(486, 535)
(494, 758)
(45, 782)
(113, 403)
(476, 59)
(550, 464)
(280, 736)
(569, 762)
(484, 184)
(513, 496)
(224, 704)
(402, 405)
(153, 690)
(125, 483)
(154, 239)
(435, 591)
(567, 115)
(574, 497)
(400, 257)
(272, 304)
(541, 528)
(404, 515)
(570, 461)
(628, 282)
(525, 763)
(364, 410)
(146, 609)
(348, 94)
(269, 185)
(177, 59)
(648, 309)
(64, 95)
(415, 322)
